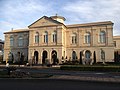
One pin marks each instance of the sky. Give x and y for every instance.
(19, 14)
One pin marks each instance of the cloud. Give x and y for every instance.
(83, 11)
(21, 13)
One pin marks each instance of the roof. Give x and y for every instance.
(116, 37)
(17, 31)
(90, 24)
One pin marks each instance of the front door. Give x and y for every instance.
(54, 57)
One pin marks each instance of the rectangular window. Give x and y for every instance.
(11, 43)
(20, 43)
(45, 38)
(36, 39)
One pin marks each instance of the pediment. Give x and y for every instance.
(44, 21)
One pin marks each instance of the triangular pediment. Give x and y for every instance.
(44, 21)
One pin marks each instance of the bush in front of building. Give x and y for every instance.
(75, 62)
(91, 68)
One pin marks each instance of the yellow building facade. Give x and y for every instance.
(50, 39)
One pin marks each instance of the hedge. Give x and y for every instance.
(91, 68)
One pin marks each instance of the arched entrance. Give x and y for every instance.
(54, 57)
(44, 56)
(74, 56)
(87, 54)
(36, 57)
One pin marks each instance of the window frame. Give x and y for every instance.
(36, 37)
(74, 38)
(102, 37)
(87, 38)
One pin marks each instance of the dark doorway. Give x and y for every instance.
(54, 57)
(74, 56)
(36, 57)
(44, 56)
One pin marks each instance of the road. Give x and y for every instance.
(49, 84)
(74, 73)
(53, 71)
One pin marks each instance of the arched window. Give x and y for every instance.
(74, 56)
(74, 38)
(102, 36)
(20, 41)
(87, 38)
(45, 37)
(37, 37)
(11, 41)
(54, 37)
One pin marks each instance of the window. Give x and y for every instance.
(54, 37)
(20, 41)
(102, 38)
(45, 37)
(87, 38)
(37, 37)
(11, 41)
(115, 43)
(74, 38)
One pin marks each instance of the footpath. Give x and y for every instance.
(113, 77)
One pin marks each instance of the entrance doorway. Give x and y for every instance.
(74, 56)
(54, 57)
(44, 56)
(36, 57)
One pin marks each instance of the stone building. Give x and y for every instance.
(50, 39)
(1, 50)
(116, 40)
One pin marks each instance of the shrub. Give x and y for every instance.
(91, 68)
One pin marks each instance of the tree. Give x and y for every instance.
(81, 57)
(94, 57)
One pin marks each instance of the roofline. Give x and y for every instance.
(48, 18)
(17, 31)
(90, 24)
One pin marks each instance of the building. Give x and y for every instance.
(116, 40)
(1, 50)
(50, 39)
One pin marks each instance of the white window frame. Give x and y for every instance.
(37, 37)
(45, 37)
(74, 38)
(87, 38)
(11, 41)
(102, 37)
(54, 37)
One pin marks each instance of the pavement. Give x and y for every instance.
(71, 75)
